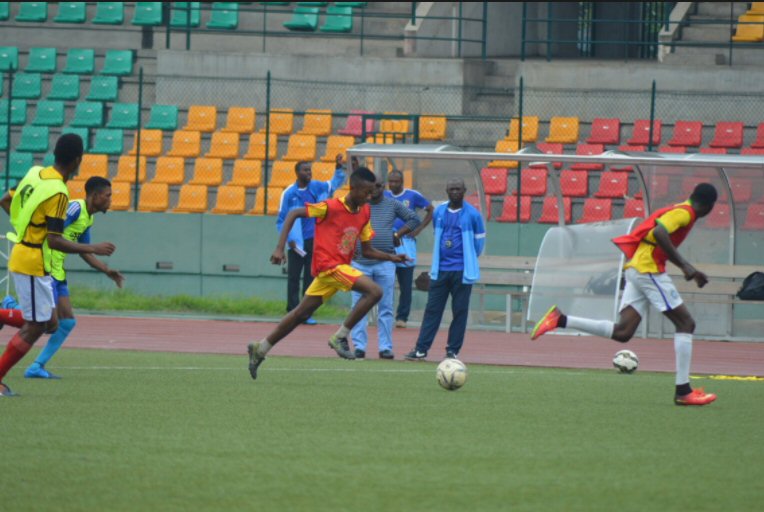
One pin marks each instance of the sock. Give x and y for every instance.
(264, 347)
(342, 332)
(11, 317)
(602, 328)
(65, 326)
(14, 351)
(683, 352)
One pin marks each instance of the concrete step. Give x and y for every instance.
(721, 10)
(706, 33)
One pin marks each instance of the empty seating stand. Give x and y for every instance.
(304, 19)
(108, 142)
(32, 12)
(154, 197)
(687, 134)
(336, 145)
(192, 199)
(596, 210)
(49, 113)
(64, 87)
(224, 145)
(9, 58)
(27, 86)
(641, 133)
(185, 14)
(109, 13)
(208, 171)
(103, 88)
(605, 131)
(118, 63)
(533, 182)
(80, 61)
(201, 118)
(124, 115)
(563, 130)
(224, 16)
(530, 128)
(248, 173)
(151, 143)
(550, 210)
(163, 117)
(509, 209)
(231, 200)
(728, 135)
(71, 12)
(574, 183)
(354, 125)
(126, 166)
(240, 120)
(147, 14)
(505, 146)
(432, 128)
(317, 122)
(339, 18)
(41, 60)
(750, 29)
(494, 180)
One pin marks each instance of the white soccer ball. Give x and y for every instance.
(451, 374)
(626, 361)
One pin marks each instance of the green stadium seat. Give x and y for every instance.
(71, 12)
(35, 12)
(27, 86)
(338, 19)
(20, 163)
(41, 60)
(351, 4)
(148, 13)
(108, 142)
(3, 137)
(9, 58)
(84, 134)
(80, 61)
(88, 115)
(180, 14)
(312, 4)
(163, 117)
(34, 139)
(103, 88)
(64, 87)
(304, 19)
(109, 13)
(48, 160)
(123, 115)
(18, 111)
(5, 10)
(225, 16)
(49, 113)
(118, 62)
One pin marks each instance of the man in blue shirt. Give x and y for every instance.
(459, 241)
(414, 201)
(300, 239)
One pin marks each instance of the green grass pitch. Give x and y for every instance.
(155, 431)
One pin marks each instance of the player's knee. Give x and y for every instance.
(687, 325)
(51, 326)
(375, 293)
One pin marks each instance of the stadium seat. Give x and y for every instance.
(282, 174)
(231, 200)
(186, 14)
(605, 131)
(121, 196)
(720, 217)
(301, 147)
(672, 149)
(170, 170)
(19, 164)
(27, 86)
(574, 183)
(3, 137)
(752, 151)
(613, 185)
(756, 8)
(256, 148)
(186, 144)
(687, 134)
(240, 120)
(88, 115)
(742, 189)
(76, 188)
(94, 165)
(9, 58)
(509, 209)
(317, 122)
(163, 117)
(84, 134)
(147, 13)
(34, 12)
(322, 171)
(549, 149)
(71, 12)
(247, 173)
(109, 13)
(398, 128)
(41, 60)
(627, 148)
(224, 16)
(192, 199)
(5, 11)
(641, 134)
(18, 111)
(633, 208)
(49, 113)
(494, 180)
(589, 149)
(103, 88)
(304, 19)
(80, 61)
(530, 129)
(727, 135)
(34, 139)
(713, 151)
(596, 210)
(339, 18)
(657, 187)
(124, 115)
(432, 127)
(563, 130)
(342, 192)
(274, 200)
(64, 87)
(550, 210)
(154, 197)
(354, 124)
(381, 138)
(208, 171)
(118, 63)
(126, 169)
(505, 146)
(474, 200)
(201, 118)
(151, 143)
(281, 122)
(754, 218)
(532, 182)
(750, 29)
(224, 145)
(108, 141)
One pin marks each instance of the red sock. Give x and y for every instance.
(11, 317)
(14, 351)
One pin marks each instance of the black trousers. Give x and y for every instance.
(298, 266)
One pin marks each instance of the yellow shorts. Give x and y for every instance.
(329, 282)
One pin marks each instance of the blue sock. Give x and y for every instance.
(65, 326)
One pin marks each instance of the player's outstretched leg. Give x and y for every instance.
(549, 322)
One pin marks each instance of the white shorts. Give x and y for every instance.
(35, 296)
(655, 289)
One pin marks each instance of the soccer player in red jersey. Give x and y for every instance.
(339, 224)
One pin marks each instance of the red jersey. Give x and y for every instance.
(337, 229)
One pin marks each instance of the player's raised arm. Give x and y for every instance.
(277, 258)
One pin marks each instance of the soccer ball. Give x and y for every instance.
(451, 374)
(626, 361)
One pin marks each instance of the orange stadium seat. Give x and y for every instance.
(231, 200)
(170, 170)
(151, 143)
(563, 130)
(282, 174)
(727, 135)
(530, 129)
(605, 131)
(533, 181)
(494, 180)
(750, 29)
(574, 183)
(322, 171)
(589, 149)
(687, 134)
(154, 197)
(247, 173)
(201, 118)
(641, 134)
(186, 144)
(754, 218)
(192, 199)
(381, 138)
(509, 209)
(224, 145)
(256, 149)
(274, 200)
(550, 210)
(208, 171)
(596, 210)
(354, 124)
(301, 147)
(94, 165)
(408, 179)
(240, 120)
(281, 121)
(317, 122)
(76, 188)
(633, 208)
(613, 184)
(505, 146)
(126, 169)
(756, 8)
(433, 127)
(121, 195)
(396, 127)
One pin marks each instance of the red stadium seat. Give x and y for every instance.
(354, 124)
(752, 151)
(627, 149)
(759, 142)
(574, 183)
(727, 135)
(613, 184)
(605, 131)
(687, 134)
(720, 216)
(549, 211)
(494, 180)
(657, 187)
(754, 219)
(509, 209)
(532, 182)
(689, 184)
(550, 148)
(633, 208)
(474, 200)
(589, 149)
(596, 210)
(741, 189)
(641, 134)
(713, 151)
(672, 149)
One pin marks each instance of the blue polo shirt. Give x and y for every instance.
(451, 250)
(411, 199)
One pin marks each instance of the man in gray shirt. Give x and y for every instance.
(384, 212)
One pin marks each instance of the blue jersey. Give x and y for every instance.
(451, 245)
(412, 200)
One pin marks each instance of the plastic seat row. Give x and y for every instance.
(67, 88)
(750, 27)
(79, 61)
